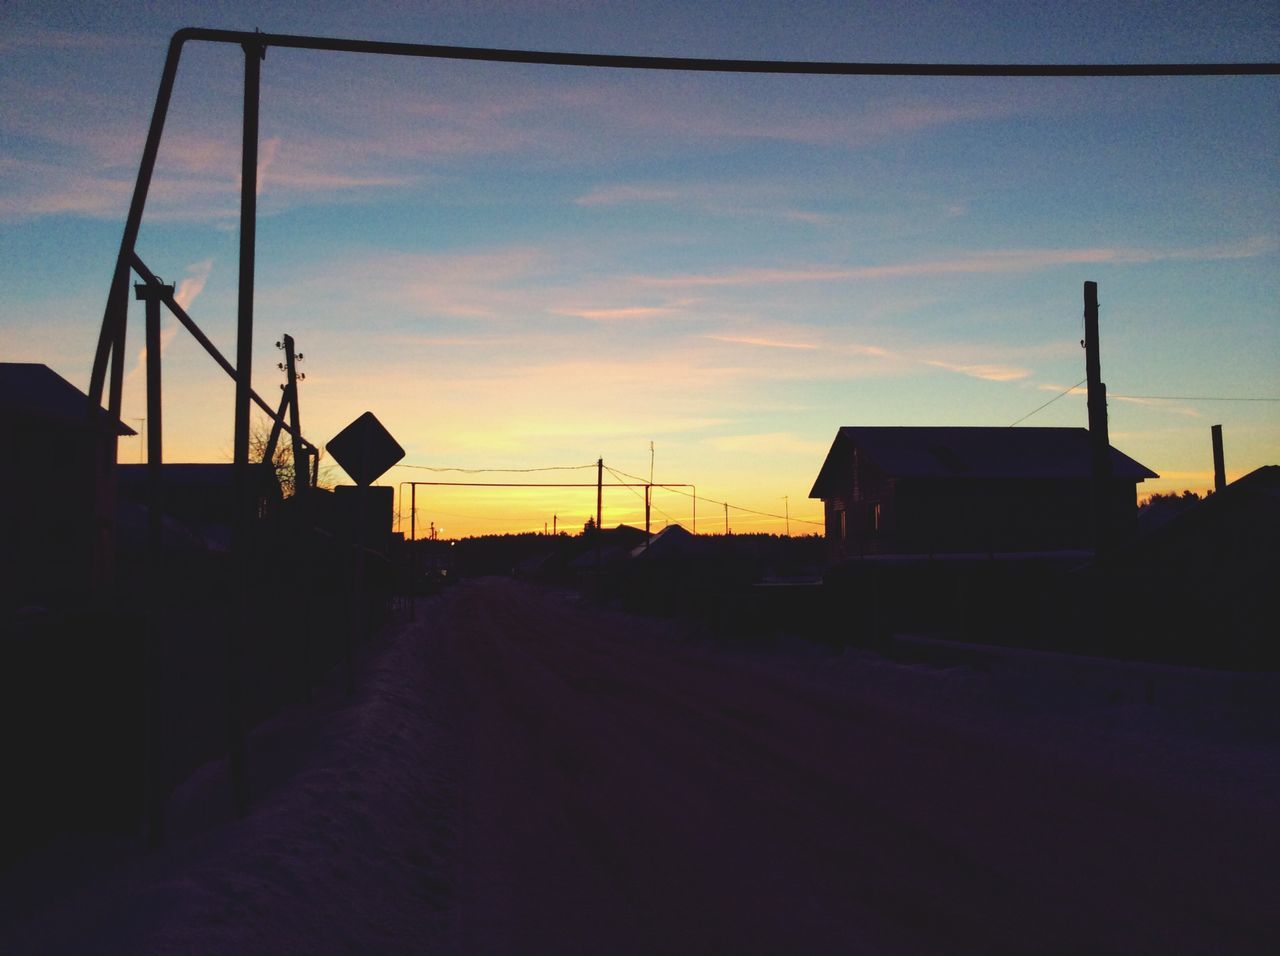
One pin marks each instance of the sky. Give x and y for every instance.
(521, 266)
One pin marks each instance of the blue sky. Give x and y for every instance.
(518, 266)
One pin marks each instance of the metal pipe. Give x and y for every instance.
(189, 324)
(710, 65)
(117, 307)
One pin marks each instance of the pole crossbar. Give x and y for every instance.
(716, 65)
(181, 314)
(514, 484)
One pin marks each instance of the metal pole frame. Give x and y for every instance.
(153, 796)
(110, 340)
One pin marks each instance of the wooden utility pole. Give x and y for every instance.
(413, 552)
(1099, 441)
(648, 494)
(599, 493)
(726, 519)
(1219, 462)
(301, 463)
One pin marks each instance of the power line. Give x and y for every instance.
(480, 471)
(1153, 398)
(751, 511)
(652, 506)
(1050, 402)
(1196, 398)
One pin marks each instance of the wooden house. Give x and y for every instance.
(56, 489)
(956, 490)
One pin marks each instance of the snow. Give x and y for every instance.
(383, 824)
(345, 849)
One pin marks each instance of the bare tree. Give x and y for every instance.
(282, 459)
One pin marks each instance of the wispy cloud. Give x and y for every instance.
(192, 284)
(618, 314)
(986, 372)
(1173, 408)
(755, 199)
(627, 193)
(185, 293)
(993, 262)
(760, 342)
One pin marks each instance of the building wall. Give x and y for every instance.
(52, 549)
(878, 515)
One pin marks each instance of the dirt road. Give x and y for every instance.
(628, 793)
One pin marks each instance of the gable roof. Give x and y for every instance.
(31, 391)
(970, 452)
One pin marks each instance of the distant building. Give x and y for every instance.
(56, 488)
(927, 490)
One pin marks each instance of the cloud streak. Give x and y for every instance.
(987, 263)
(986, 372)
(761, 342)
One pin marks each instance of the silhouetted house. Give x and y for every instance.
(673, 541)
(199, 497)
(607, 547)
(56, 488)
(1206, 578)
(1230, 531)
(926, 490)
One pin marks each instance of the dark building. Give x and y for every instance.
(199, 500)
(56, 488)
(927, 490)
(1202, 584)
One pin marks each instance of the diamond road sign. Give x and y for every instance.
(365, 449)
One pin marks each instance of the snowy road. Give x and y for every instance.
(521, 773)
(623, 792)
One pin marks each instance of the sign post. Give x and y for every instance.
(364, 450)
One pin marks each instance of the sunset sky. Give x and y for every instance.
(531, 266)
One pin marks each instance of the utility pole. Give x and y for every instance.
(648, 494)
(599, 492)
(300, 461)
(413, 552)
(1219, 462)
(786, 503)
(726, 519)
(1099, 441)
(555, 524)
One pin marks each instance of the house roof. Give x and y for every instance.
(29, 390)
(671, 541)
(969, 452)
